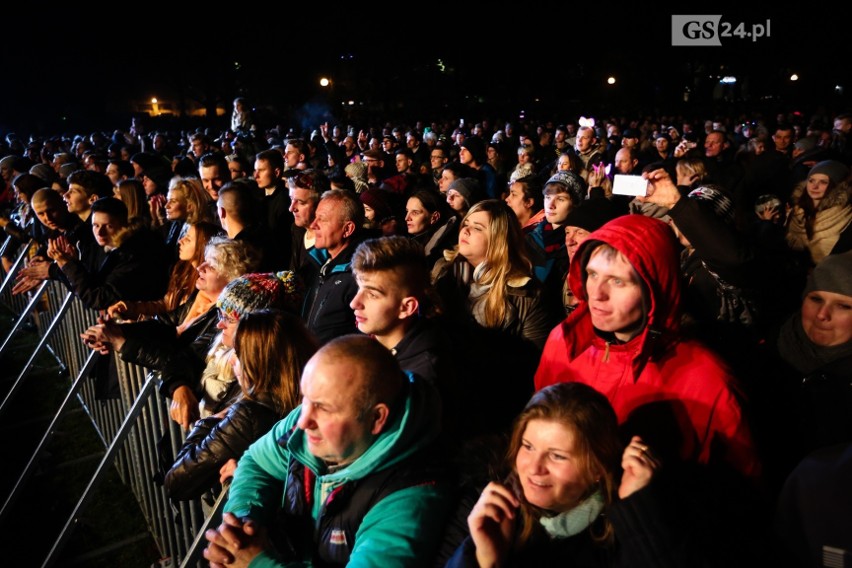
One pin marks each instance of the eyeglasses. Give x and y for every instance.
(226, 319)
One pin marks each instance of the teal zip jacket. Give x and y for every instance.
(403, 529)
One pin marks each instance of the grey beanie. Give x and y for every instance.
(66, 170)
(832, 274)
(45, 172)
(806, 144)
(468, 188)
(836, 171)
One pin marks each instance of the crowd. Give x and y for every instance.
(467, 346)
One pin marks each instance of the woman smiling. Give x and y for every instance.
(562, 502)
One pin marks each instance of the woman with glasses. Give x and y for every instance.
(271, 348)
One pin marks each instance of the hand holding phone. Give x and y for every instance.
(635, 186)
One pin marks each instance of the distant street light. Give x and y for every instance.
(794, 77)
(610, 80)
(325, 82)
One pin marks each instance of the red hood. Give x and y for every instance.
(650, 246)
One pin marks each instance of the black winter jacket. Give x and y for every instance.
(329, 314)
(212, 442)
(133, 271)
(179, 358)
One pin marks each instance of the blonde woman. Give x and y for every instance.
(488, 276)
(187, 201)
(690, 172)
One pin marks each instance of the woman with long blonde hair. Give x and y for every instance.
(488, 296)
(489, 274)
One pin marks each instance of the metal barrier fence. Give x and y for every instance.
(130, 427)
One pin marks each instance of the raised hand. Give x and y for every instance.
(491, 523)
(639, 466)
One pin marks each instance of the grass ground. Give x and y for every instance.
(112, 530)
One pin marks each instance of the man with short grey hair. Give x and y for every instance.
(337, 230)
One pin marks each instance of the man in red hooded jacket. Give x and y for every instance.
(623, 339)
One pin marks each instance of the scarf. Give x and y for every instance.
(477, 293)
(804, 355)
(575, 520)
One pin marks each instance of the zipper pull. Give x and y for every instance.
(606, 353)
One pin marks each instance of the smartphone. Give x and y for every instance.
(637, 186)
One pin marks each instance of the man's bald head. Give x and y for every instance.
(376, 368)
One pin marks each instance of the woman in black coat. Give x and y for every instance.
(803, 394)
(562, 503)
(272, 348)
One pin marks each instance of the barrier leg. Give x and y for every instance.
(24, 315)
(101, 472)
(28, 366)
(7, 506)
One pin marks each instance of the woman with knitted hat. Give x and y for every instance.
(426, 219)
(463, 193)
(240, 297)
(805, 391)
(822, 209)
(271, 348)
(379, 211)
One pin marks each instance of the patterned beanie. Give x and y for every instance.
(259, 291)
(573, 184)
(721, 203)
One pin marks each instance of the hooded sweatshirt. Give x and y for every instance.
(675, 393)
(403, 528)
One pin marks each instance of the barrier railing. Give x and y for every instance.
(130, 427)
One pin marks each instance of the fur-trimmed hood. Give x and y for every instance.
(836, 196)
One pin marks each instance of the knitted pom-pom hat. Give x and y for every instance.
(258, 291)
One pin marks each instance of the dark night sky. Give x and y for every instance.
(554, 59)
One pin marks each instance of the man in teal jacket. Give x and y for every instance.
(350, 478)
